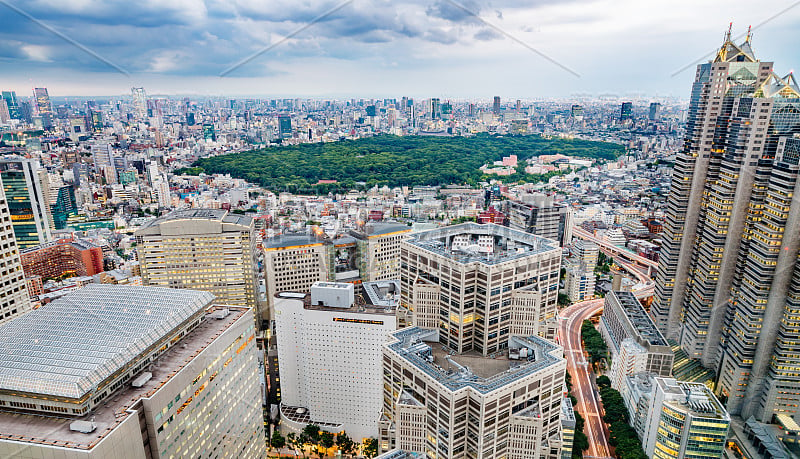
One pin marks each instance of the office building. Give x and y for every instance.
(293, 264)
(480, 284)
(579, 282)
(68, 257)
(285, 126)
(724, 287)
(626, 111)
(632, 336)
(42, 101)
(10, 97)
(5, 116)
(139, 102)
(202, 249)
(655, 111)
(496, 105)
(26, 200)
(577, 112)
(540, 214)
(379, 250)
(131, 372)
(14, 295)
(465, 405)
(684, 420)
(329, 354)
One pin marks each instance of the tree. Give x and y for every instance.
(311, 431)
(345, 444)
(326, 441)
(303, 441)
(370, 447)
(277, 441)
(603, 381)
(563, 299)
(292, 441)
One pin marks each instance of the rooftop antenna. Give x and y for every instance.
(728, 34)
(749, 34)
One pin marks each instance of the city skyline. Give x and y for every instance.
(367, 47)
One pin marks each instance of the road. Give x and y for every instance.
(614, 250)
(582, 377)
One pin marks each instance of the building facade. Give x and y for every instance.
(202, 249)
(329, 355)
(480, 284)
(26, 200)
(539, 214)
(726, 268)
(65, 257)
(14, 295)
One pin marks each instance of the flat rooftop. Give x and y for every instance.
(508, 244)
(285, 241)
(360, 306)
(694, 398)
(640, 319)
(69, 346)
(484, 374)
(220, 215)
(54, 430)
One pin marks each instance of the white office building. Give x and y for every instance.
(329, 357)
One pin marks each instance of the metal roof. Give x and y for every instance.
(67, 347)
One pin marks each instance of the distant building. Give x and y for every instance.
(626, 111)
(496, 105)
(541, 215)
(42, 100)
(65, 257)
(655, 111)
(285, 126)
(124, 372)
(139, 102)
(14, 295)
(329, 354)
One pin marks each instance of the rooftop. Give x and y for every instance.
(694, 398)
(56, 431)
(640, 319)
(91, 333)
(223, 216)
(484, 374)
(508, 244)
(361, 306)
(290, 240)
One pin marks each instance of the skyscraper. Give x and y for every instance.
(726, 282)
(655, 111)
(285, 126)
(626, 111)
(496, 105)
(26, 200)
(42, 101)
(14, 298)
(13, 106)
(139, 102)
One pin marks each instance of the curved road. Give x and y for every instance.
(569, 332)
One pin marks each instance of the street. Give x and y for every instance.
(582, 377)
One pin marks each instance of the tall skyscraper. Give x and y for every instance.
(42, 101)
(202, 249)
(139, 102)
(496, 105)
(728, 270)
(11, 101)
(541, 215)
(26, 200)
(285, 126)
(14, 299)
(655, 111)
(131, 372)
(626, 111)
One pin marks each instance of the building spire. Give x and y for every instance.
(728, 33)
(749, 34)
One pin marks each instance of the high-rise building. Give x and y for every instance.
(294, 264)
(480, 284)
(42, 101)
(379, 250)
(496, 105)
(329, 354)
(11, 102)
(5, 116)
(26, 200)
(202, 249)
(577, 112)
(541, 215)
(436, 108)
(725, 282)
(65, 257)
(139, 102)
(131, 372)
(14, 299)
(655, 111)
(626, 111)
(462, 405)
(209, 133)
(684, 420)
(285, 126)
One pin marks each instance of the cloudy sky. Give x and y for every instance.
(378, 48)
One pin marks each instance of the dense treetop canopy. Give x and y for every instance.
(391, 160)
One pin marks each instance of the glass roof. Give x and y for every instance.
(67, 347)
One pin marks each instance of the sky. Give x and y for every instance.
(458, 49)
